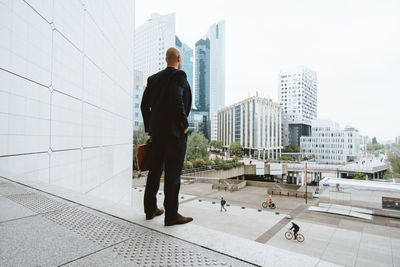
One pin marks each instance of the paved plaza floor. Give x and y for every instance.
(42, 229)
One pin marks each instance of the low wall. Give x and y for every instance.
(229, 185)
(217, 174)
(290, 193)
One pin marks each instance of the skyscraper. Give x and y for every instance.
(187, 58)
(216, 34)
(202, 77)
(210, 75)
(152, 39)
(297, 93)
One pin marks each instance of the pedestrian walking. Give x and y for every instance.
(223, 202)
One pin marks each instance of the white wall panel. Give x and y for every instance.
(66, 94)
(65, 169)
(43, 7)
(67, 67)
(92, 77)
(30, 41)
(66, 122)
(69, 20)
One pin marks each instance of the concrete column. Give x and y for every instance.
(263, 125)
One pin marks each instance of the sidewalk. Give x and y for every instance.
(48, 225)
(39, 229)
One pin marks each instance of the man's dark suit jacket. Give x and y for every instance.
(166, 103)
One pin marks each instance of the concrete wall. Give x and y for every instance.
(218, 174)
(66, 75)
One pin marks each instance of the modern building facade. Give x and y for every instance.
(397, 140)
(255, 123)
(214, 127)
(210, 75)
(137, 98)
(66, 70)
(202, 75)
(216, 35)
(328, 143)
(152, 39)
(187, 59)
(198, 121)
(297, 93)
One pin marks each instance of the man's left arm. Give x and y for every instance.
(145, 107)
(178, 98)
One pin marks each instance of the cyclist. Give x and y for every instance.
(269, 200)
(295, 229)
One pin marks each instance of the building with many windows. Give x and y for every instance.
(137, 98)
(202, 75)
(397, 140)
(330, 144)
(187, 59)
(255, 123)
(216, 35)
(152, 39)
(297, 93)
(210, 75)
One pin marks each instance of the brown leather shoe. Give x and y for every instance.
(157, 212)
(178, 220)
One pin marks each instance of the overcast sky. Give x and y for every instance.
(354, 46)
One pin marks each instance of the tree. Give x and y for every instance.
(197, 146)
(235, 147)
(139, 137)
(292, 149)
(216, 144)
(359, 176)
(395, 163)
(374, 141)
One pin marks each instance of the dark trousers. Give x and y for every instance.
(168, 154)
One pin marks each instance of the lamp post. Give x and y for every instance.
(305, 179)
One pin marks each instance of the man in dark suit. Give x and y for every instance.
(165, 107)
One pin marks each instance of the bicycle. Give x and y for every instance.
(289, 235)
(265, 204)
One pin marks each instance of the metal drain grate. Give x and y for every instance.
(11, 189)
(155, 249)
(97, 229)
(37, 203)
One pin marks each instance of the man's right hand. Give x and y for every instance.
(186, 130)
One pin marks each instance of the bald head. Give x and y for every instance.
(173, 58)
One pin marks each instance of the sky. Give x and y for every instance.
(353, 45)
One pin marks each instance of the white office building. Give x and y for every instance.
(397, 140)
(216, 35)
(255, 123)
(330, 144)
(137, 99)
(66, 75)
(152, 39)
(214, 127)
(297, 93)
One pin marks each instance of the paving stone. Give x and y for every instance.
(11, 210)
(155, 249)
(35, 241)
(7, 189)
